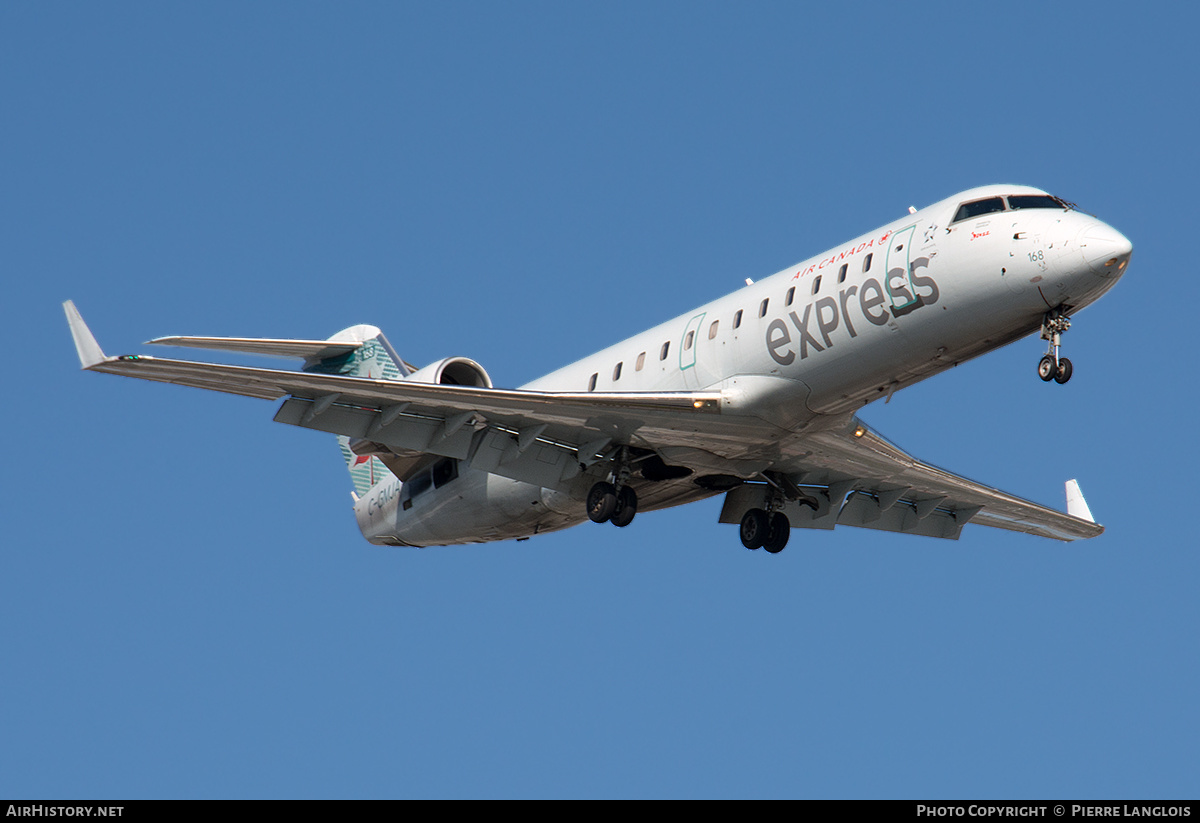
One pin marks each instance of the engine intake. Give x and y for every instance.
(453, 371)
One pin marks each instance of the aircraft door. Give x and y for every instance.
(900, 288)
(688, 344)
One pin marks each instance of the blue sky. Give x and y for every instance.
(189, 610)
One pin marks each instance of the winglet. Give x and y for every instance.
(1076, 505)
(89, 350)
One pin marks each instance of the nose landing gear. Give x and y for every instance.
(1053, 367)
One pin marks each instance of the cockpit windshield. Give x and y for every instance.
(1035, 201)
(978, 207)
(988, 205)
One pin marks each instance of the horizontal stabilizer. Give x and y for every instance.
(304, 349)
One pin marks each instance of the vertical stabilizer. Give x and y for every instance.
(375, 359)
(365, 471)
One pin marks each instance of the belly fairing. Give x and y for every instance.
(477, 507)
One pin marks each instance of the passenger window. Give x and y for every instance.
(641, 361)
(762, 308)
(687, 341)
(867, 263)
(737, 319)
(978, 208)
(662, 355)
(842, 272)
(617, 372)
(816, 285)
(712, 330)
(791, 294)
(592, 382)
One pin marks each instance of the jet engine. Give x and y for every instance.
(453, 371)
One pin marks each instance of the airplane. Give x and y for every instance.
(752, 396)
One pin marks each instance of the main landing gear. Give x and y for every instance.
(607, 502)
(615, 502)
(769, 528)
(765, 530)
(1053, 367)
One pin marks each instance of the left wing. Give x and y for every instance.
(875, 456)
(855, 477)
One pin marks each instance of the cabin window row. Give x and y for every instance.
(713, 328)
(841, 278)
(640, 363)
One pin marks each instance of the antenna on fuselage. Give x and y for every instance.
(912, 209)
(749, 282)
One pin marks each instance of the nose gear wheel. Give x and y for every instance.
(1052, 366)
(1047, 368)
(1064, 370)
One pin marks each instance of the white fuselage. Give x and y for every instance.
(818, 339)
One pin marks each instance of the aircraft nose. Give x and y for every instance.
(1105, 249)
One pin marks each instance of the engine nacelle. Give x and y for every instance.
(453, 371)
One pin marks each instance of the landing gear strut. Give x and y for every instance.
(1053, 367)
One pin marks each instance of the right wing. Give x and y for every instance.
(540, 437)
